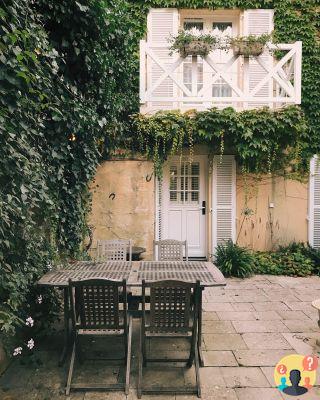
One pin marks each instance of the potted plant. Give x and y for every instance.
(193, 43)
(252, 45)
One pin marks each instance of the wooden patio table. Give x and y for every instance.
(134, 272)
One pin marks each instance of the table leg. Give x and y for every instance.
(66, 326)
(200, 330)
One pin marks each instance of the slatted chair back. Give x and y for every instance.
(171, 250)
(171, 306)
(114, 250)
(97, 303)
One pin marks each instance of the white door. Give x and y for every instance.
(184, 205)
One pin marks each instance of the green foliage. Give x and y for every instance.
(263, 140)
(294, 20)
(204, 42)
(234, 260)
(61, 93)
(295, 259)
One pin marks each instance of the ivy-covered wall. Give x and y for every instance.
(294, 20)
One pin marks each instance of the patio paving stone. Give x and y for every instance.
(247, 327)
(260, 326)
(244, 377)
(224, 358)
(210, 316)
(303, 343)
(218, 327)
(266, 341)
(296, 325)
(258, 394)
(270, 306)
(293, 315)
(228, 341)
(257, 358)
(243, 306)
(217, 307)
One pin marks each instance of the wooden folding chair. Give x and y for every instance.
(171, 317)
(96, 310)
(170, 250)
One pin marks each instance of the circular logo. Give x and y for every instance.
(296, 374)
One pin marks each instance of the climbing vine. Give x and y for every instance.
(264, 140)
(294, 20)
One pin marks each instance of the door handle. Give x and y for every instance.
(203, 208)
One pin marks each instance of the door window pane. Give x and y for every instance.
(184, 183)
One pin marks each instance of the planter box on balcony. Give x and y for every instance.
(196, 48)
(248, 49)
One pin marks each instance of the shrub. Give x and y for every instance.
(234, 260)
(296, 259)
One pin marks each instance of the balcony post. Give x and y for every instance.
(246, 86)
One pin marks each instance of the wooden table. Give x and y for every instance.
(134, 272)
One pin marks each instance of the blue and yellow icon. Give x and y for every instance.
(295, 374)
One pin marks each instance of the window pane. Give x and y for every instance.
(187, 25)
(222, 26)
(194, 196)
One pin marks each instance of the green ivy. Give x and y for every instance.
(264, 140)
(294, 20)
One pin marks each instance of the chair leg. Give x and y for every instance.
(140, 361)
(196, 364)
(70, 373)
(128, 354)
(79, 350)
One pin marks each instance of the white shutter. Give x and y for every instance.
(223, 199)
(162, 23)
(258, 22)
(159, 223)
(314, 203)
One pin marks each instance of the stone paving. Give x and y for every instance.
(248, 326)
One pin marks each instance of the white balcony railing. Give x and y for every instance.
(254, 82)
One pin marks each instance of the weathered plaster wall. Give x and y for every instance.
(130, 213)
(268, 227)
(123, 203)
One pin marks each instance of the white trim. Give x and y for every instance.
(314, 169)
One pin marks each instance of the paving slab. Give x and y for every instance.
(211, 377)
(258, 358)
(299, 305)
(217, 307)
(292, 315)
(210, 316)
(260, 326)
(243, 306)
(217, 327)
(271, 306)
(215, 393)
(269, 374)
(224, 358)
(244, 377)
(228, 341)
(266, 341)
(258, 394)
(295, 325)
(302, 343)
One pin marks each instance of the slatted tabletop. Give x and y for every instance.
(134, 272)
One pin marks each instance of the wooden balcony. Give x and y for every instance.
(251, 82)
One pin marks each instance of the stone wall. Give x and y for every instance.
(123, 202)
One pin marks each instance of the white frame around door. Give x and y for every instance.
(162, 205)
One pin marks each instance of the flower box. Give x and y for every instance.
(248, 49)
(196, 48)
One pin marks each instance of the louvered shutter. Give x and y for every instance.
(162, 23)
(314, 203)
(223, 199)
(258, 22)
